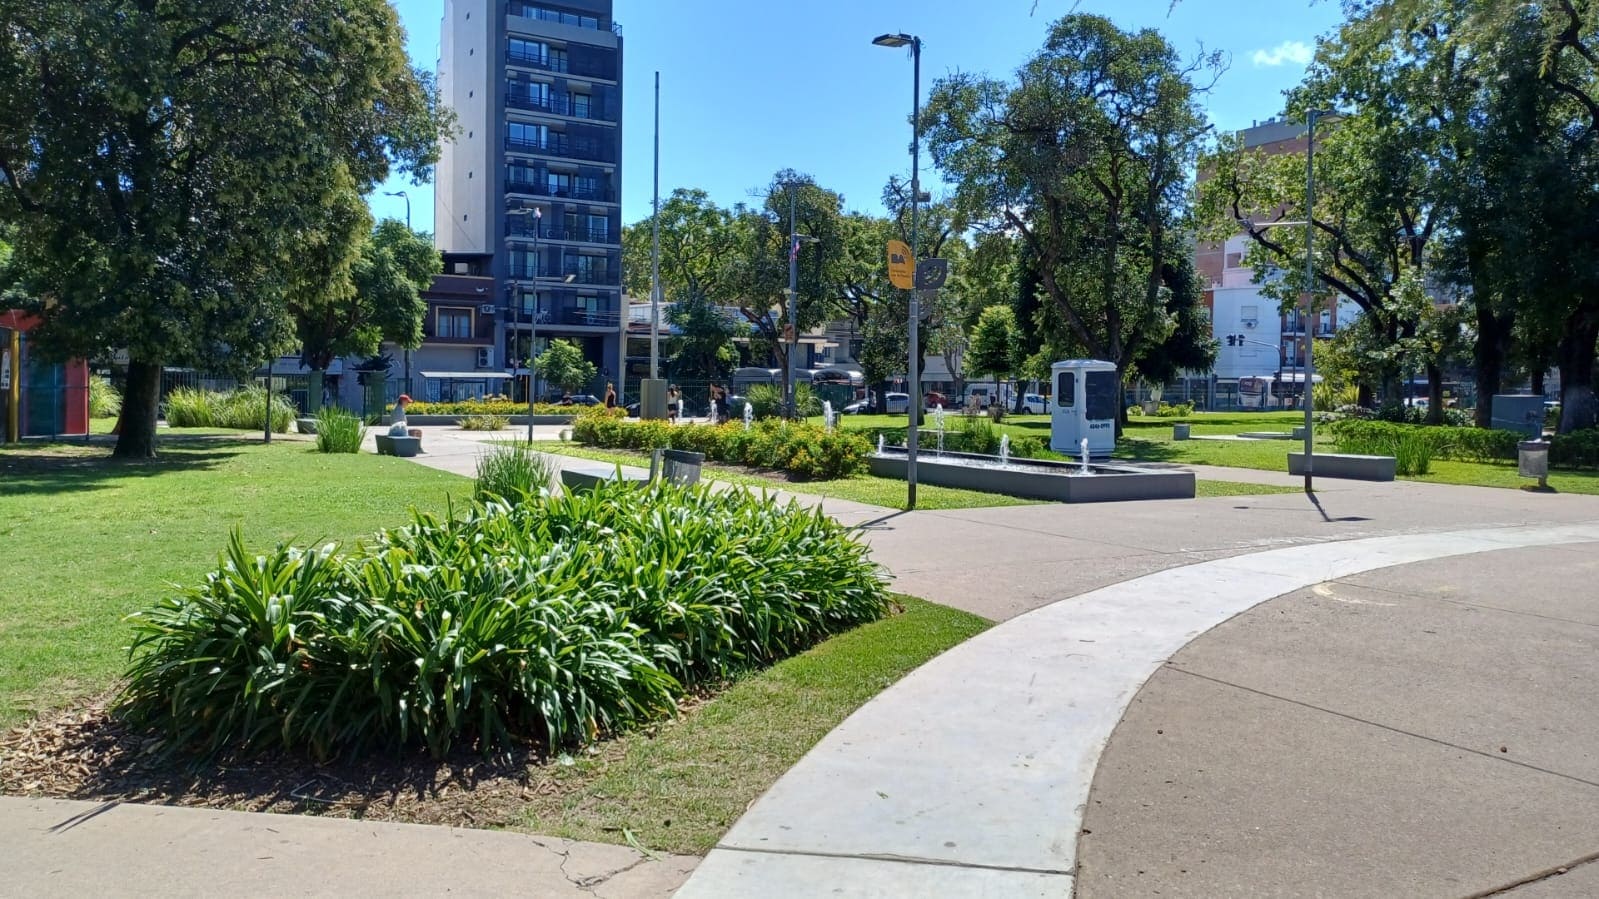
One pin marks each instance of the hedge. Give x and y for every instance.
(485, 407)
(1579, 449)
(802, 450)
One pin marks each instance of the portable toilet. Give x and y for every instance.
(1087, 397)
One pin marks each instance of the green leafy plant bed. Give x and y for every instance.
(800, 449)
(551, 621)
(244, 409)
(488, 406)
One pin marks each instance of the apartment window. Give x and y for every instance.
(453, 323)
(588, 187)
(546, 14)
(527, 135)
(599, 228)
(528, 51)
(581, 106)
(560, 184)
(536, 93)
(1249, 315)
(556, 59)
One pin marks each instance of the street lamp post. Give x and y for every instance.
(407, 198)
(915, 391)
(533, 317)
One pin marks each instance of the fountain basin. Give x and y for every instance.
(1037, 478)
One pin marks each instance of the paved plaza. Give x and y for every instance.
(1386, 691)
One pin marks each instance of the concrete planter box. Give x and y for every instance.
(579, 479)
(455, 420)
(1347, 466)
(305, 425)
(1179, 431)
(1038, 479)
(404, 447)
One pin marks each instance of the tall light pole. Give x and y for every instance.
(915, 391)
(533, 316)
(407, 198)
(790, 371)
(655, 249)
(1310, 293)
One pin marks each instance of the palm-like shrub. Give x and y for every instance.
(104, 400)
(513, 472)
(244, 409)
(552, 621)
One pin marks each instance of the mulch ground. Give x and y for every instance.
(88, 754)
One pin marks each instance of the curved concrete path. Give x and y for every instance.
(970, 776)
(1423, 730)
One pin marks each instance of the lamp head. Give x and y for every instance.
(894, 40)
(395, 193)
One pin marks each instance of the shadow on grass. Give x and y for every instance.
(47, 469)
(1137, 449)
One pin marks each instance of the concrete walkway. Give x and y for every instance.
(52, 847)
(970, 776)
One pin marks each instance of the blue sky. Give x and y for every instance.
(748, 88)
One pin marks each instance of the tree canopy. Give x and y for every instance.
(170, 167)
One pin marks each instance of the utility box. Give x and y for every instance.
(652, 399)
(1087, 400)
(1533, 456)
(1520, 413)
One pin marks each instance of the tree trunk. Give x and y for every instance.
(1576, 355)
(1435, 395)
(1539, 376)
(313, 393)
(141, 405)
(1493, 344)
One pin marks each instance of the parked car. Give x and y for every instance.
(1034, 404)
(897, 403)
(859, 407)
(582, 399)
(933, 399)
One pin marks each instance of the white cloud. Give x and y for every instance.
(1296, 52)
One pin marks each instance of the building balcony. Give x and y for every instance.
(560, 145)
(561, 65)
(560, 104)
(518, 226)
(542, 189)
(576, 274)
(570, 317)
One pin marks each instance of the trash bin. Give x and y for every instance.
(1533, 456)
(1179, 431)
(677, 466)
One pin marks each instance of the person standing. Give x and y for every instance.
(673, 400)
(610, 396)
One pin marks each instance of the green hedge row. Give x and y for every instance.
(1576, 450)
(490, 406)
(553, 621)
(803, 450)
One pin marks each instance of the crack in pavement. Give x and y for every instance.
(1390, 728)
(590, 883)
(1540, 877)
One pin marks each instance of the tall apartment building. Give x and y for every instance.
(528, 194)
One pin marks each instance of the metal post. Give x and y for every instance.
(14, 393)
(533, 327)
(915, 305)
(655, 251)
(1310, 291)
(267, 430)
(793, 307)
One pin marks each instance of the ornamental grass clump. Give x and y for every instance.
(513, 472)
(338, 431)
(551, 622)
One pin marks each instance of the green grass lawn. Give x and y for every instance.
(89, 541)
(680, 789)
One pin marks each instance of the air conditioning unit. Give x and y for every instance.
(485, 357)
(486, 309)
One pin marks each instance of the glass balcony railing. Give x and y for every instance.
(532, 186)
(556, 144)
(575, 106)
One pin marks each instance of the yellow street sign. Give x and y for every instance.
(901, 267)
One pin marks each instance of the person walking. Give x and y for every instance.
(673, 401)
(610, 396)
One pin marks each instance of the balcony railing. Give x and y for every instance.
(577, 274)
(543, 189)
(516, 227)
(560, 104)
(563, 146)
(570, 316)
(559, 64)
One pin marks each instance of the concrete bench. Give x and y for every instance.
(1346, 465)
(404, 447)
(580, 478)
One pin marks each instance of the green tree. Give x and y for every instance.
(996, 347)
(1085, 158)
(562, 363)
(704, 351)
(168, 166)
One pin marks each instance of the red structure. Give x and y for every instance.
(40, 399)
